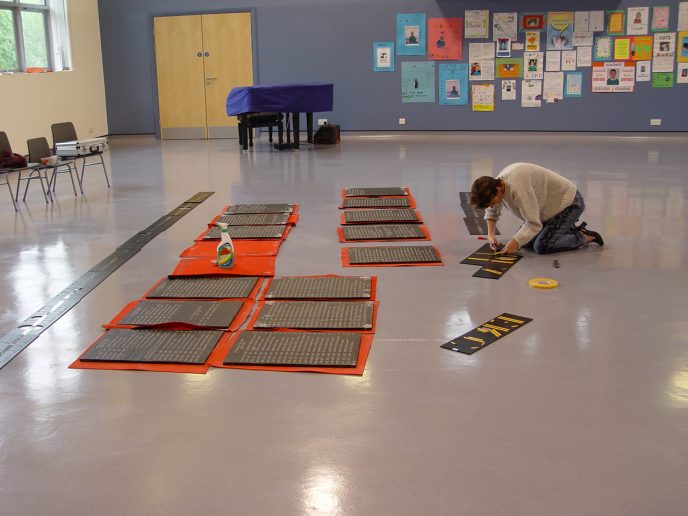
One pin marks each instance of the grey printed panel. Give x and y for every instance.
(382, 232)
(320, 288)
(375, 192)
(295, 349)
(376, 202)
(259, 208)
(317, 315)
(211, 314)
(248, 232)
(255, 219)
(154, 346)
(204, 288)
(372, 216)
(472, 212)
(393, 254)
(477, 226)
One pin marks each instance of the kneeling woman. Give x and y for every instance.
(548, 204)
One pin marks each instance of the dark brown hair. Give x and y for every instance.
(483, 191)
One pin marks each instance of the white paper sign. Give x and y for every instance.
(568, 60)
(682, 16)
(643, 71)
(682, 73)
(582, 39)
(553, 87)
(581, 21)
(481, 51)
(481, 70)
(476, 24)
(504, 25)
(509, 89)
(596, 21)
(531, 93)
(638, 21)
(663, 64)
(664, 45)
(553, 61)
(584, 57)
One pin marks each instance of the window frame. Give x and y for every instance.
(16, 7)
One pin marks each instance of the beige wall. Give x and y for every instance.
(38, 100)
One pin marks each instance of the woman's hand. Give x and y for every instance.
(495, 244)
(510, 248)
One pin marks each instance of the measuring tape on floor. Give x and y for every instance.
(543, 283)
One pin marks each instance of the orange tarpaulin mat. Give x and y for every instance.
(220, 352)
(239, 318)
(412, 201)
(373, 289)
(346, 263)
(144, 366)
(244, 266)
(208, 248)
(261, 303)
(287, 229)
(252, 295)
(340, 232)
(292, 220)
(343, 222)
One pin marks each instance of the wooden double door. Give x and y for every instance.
(199, 59)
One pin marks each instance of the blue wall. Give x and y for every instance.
(331, 41)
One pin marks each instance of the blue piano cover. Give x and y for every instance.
(280, 98)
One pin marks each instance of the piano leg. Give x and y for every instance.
(309, 126)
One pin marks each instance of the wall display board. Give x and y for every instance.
(560, 30)
(411, 34)
(417, 81)
(383, 56)
(453, 84)
(613, 77)
(445, 40)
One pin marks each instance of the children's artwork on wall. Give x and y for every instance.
(444, 39)
(613, 77)
(504, 25)
(581, 21)
(553, 61)
(584, 57)
(411, 34)
(663, 50)
(383, 56)
(622, 49)
(533, 65)
(583, 39)
(532, 41)
(560, 30)
(453, 84)
(481, 51)
(643, 71)
(509, 68)
(568, 60)
(532, 22)
(553, 87)
(574, 84)
(638, 21)
(663, 80)
(596, 21)
(682, 16)
(641, 48)
(682, 47)
(503, 47)
(660, 18)
(482, 97)
(476, 24)
(682, 73)
(531, 93)
(616, 22)
(602, 51)
(481, 70)
(417, 81)
(509, 89)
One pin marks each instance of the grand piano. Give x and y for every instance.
(269, 105)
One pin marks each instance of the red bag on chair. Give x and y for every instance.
(12, 160)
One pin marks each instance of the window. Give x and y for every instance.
(33, 34)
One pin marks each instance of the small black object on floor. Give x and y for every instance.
(486, 333)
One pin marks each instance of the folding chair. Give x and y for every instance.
(6, 149)
(39, 149)
(65, 132)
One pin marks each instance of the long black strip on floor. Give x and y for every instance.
(30, 329)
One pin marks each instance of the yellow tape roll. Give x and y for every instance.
(543, 283)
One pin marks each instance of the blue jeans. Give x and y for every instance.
(557, 234)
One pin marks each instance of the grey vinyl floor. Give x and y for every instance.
(582, 411)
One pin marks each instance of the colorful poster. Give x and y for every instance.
(663, 80)
(622, 49)
(664, 45)
(504, 25)
(532, 22)
(596, 21)
(453, 84)
(616, 22)
(682, 16)
(642, 71)
(584, 57)
(582, 39)
(383, 56)
(560, 30)
(503, 47)
(581, 21)
(444, 39)
(638, 21)
(682, 47)
(509, 68)
(568, 60)
(411, 35)
(682, 73)
(417, 81)
(532, 41)
(614, 77)
(531, 93)
(553, 87)
(482, 70)
(574, 84)
(482, 97)
(476, 24)
(660, 18)
(641, 48)
(553, 61)
(602, 51)
(509, 89)
(534, 66)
